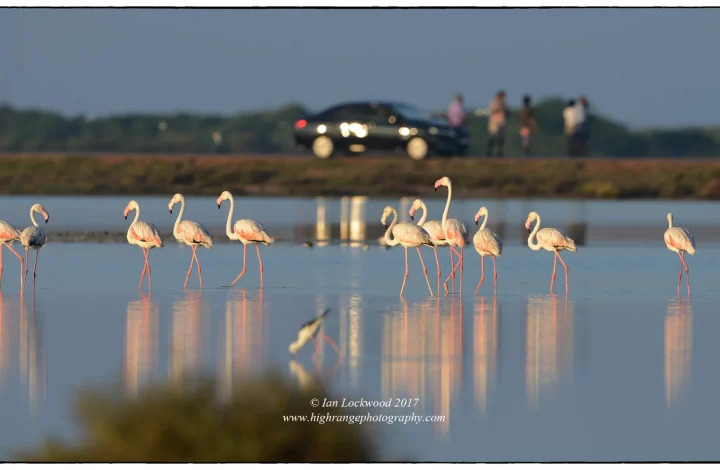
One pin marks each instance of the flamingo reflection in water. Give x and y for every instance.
(678, 350)
(32, 352)
(140, 342)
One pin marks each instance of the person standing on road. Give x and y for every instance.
(527, 124)
(496, 124)
(457, 119)
(569, 117)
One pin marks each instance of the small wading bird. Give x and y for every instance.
(144, 235)
(550, 239)
(248, 231)
(191, 233)
(433, 228)
(455, 233)
(681, 241)
(9, 234)
(486, 243)
(309, 332)
(33, 238)
(409, 236)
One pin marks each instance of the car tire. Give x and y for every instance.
(323, 147)
(417, 148)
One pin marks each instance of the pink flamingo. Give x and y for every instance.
(433, 228)
(248, 231)
(9, 234)
(487, 243)
(33, 238)
(144, 235)
(455, 232)
(681, 241)
(191, 233)
(409, 236)
(550, 239)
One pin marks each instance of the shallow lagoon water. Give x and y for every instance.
(620, 369)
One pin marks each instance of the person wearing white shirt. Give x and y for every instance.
(569, 117)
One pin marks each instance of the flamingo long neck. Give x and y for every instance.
(391, 241)
(179, 217)
(422, 220)
(447, 205)
(228, 225)
(137, 214)
(670, 221)
(32, 217)
(536, 246)
(482, 226)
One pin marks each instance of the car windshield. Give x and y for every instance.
(411, 112)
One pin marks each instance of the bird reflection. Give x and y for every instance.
(422, 356)
(350, 340)
(549, 345)
(185, 340)
(678, 350)
(485, 349)
(245, 336)
(140, 342)
(5, 335)
(32, 352)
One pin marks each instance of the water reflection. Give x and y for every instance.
(32, 352)
(548, 347)
(485, 349)
(141, 340)
(5, 335)
(245, 342)
(678, 350)
(422, 356)
(185, 337)
(351, 336)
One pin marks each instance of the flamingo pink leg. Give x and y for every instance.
(452, 273)
(566, 271)
(1, 266)
(242, 273)
(425, 271)
(149, 269)
(406, 272)
(197, 260)
(552, 278)
(437, 261)
(22, 261)
(687, 273)
(142, 274)
(37, 253)
(495, 274)
(482, 273)
(192, 260)
(462, 266)
(257, 246)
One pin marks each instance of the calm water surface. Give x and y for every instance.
(621, 369)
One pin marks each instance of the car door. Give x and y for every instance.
(384, 128)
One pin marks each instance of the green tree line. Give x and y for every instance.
(271, 131)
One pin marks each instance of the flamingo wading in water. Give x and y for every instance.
(144, 235)
(191, 233)
(433, 228)
(681, 241)
(486, 243)
(33, 238)
(9, 234)
(455, 233)
(248, 231)
(409, 236)
(550, 239)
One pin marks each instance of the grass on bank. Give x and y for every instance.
(307, 176)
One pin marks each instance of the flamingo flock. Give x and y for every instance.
(450, 232)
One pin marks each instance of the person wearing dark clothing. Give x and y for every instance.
(496, 124)
(527, 124)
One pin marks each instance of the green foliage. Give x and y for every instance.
(272, 132)
(169, 424)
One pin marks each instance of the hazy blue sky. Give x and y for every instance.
(644, 67)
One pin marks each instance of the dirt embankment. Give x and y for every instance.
(278, 175)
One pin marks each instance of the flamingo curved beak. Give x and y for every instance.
(47, 216)
(412, 217)
(125, 216)
(477, 221)
(527, 226)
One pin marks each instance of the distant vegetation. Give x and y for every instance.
(169, 424)
(271, 132)
(377, 177)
